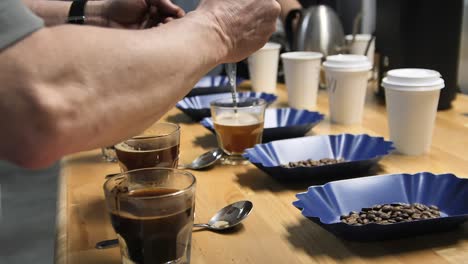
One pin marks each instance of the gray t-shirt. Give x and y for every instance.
(16, 22)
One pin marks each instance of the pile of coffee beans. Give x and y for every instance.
(312, 163)
(391, 213)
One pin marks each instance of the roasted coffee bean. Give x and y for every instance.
(385, 216)
(386, 208)
(416, 216)
(391, 213)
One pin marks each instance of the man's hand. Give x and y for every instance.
(135, 14)
(244, 26)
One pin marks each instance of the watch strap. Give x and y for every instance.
(76, 15)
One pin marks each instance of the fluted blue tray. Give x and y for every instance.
(198, 107)
(325, 204)
(282, 123)
(212, 85)
(360, 152)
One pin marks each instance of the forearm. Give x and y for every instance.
(73, 98)
(56, 12)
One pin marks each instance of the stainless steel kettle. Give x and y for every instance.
(318, 29)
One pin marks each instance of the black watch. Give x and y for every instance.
(77, 12)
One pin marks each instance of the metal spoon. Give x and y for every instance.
(225, 218)
(229, 216)
(204, 160)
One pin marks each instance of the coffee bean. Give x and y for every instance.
(416, 216)
(385, 216)
(433, 207)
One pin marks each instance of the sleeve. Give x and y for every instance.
(16, 22)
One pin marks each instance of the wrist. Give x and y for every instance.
(95, 13)
(221, 42)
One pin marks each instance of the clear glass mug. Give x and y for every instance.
(238, 126)
(152, 212)
(157, 146)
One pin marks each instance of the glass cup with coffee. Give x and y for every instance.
(238, 125)
(155, 147)
(152, 212)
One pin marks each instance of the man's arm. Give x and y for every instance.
(69, 88)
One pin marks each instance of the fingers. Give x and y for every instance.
(169, 8)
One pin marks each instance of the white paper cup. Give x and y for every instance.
(263, 68)
(360, 44)
(412, 96)
(302, 73)
(347, 84)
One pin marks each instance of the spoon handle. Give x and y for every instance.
(107, 244)
(201, 225)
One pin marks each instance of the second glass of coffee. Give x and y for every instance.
(152, 212)
(156, 147)
(238, 125)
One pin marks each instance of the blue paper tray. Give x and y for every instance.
(361, 153)
(325, 204)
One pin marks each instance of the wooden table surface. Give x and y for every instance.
(275, 232)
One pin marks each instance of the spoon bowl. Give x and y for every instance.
(205, 160)
(229, 216)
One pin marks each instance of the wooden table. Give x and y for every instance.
(275, 232)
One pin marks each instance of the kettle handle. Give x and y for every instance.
(289, 26)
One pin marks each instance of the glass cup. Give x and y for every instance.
(152, 212)
(156, 147)
(238, 127)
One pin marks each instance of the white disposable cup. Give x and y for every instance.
(263, 68)
(347, 85)
(302, 73)
(359, 45)
(412, 96)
